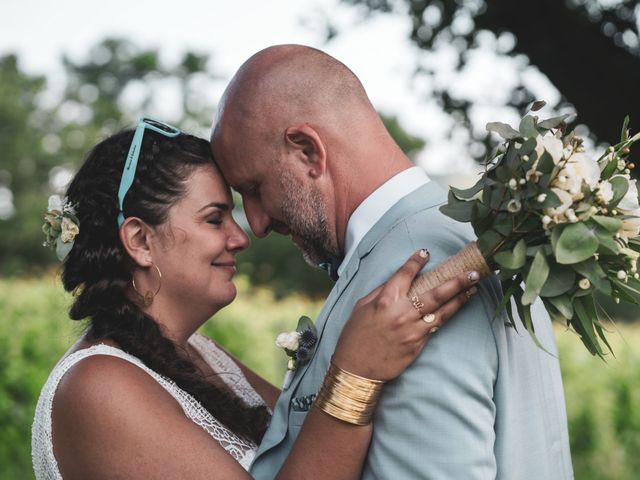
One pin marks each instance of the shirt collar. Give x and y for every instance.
(376, 205)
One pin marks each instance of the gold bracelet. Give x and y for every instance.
(348, 397)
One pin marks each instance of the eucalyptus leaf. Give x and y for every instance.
(600, 332)
(584, 324)
(505, 131)
(467, 194)
(488, 240)
(546, 163)
(551, 200)
(624, 134)
(503, 224)
(511, 287)
(608, 246)
(561, 279)
(610, 224)
(609, 169)
(527, 127)
(528, 146)
(512, 259)
(481, 218)
(305, 322)
(504, 174)
(536, 278)
(459, 210)
(553, 122)
(63, 249)
(620, 185)
(564, 304)
(555, 235)
(537, 105)
(591, 270)
(577, 242)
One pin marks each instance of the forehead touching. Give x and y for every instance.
(205, 186)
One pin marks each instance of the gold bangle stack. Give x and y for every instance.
(348, 397)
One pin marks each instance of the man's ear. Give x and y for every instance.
(135, 236)
(305, 142)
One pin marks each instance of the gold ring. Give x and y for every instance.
(417, 304)
(429, 318)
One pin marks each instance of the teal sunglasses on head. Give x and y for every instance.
(130, 166)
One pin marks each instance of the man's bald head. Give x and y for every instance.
(288, 84)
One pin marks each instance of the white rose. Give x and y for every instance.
(553, 146)
(585, 167)
(569, 181)
(605, 192)
(630, 227)
(69, 230)
(55, 203)
(566, 202)
(288, 340)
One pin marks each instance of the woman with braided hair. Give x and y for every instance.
(149, 249)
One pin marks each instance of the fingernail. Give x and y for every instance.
(473, 276)
(472, 291)
(424, 253)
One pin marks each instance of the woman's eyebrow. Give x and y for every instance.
(222, 206)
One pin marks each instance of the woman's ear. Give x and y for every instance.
(307, 145)
(136, 236)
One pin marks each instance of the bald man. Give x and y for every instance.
(298, 138)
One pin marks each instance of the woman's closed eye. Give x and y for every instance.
(216, 220)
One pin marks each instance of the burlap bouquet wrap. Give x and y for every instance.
(466, 260)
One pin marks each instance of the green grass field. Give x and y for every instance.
(603, 399)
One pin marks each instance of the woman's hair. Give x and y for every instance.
(98, 269)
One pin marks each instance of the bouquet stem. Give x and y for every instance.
(466, 260)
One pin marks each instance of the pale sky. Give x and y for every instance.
(378, 51)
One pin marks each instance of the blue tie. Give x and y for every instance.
(331, 266)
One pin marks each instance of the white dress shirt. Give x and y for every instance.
(376, 205)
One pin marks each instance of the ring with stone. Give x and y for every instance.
(429, 318)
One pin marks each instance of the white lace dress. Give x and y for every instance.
(44, 462)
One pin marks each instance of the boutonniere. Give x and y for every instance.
(299, 346)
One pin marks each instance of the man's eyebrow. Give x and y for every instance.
(222, 206)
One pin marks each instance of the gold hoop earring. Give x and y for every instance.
(147, 298)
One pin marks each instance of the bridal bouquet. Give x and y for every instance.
(555, 223)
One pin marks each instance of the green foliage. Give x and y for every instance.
(541, 212)
(603, 399)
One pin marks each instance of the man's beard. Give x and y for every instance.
(305, 213)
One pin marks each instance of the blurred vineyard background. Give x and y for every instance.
(587, 53)
(602, 398)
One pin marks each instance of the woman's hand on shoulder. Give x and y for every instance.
(111, 419)
(387, 330)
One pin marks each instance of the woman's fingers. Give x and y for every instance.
(432, 300)
(445, 312)
(405, 275)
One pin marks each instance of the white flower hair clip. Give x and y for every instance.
(61, 226)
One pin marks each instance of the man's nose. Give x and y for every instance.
(258, 219)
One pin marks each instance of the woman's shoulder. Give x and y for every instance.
(111, 399)
(106, 381)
